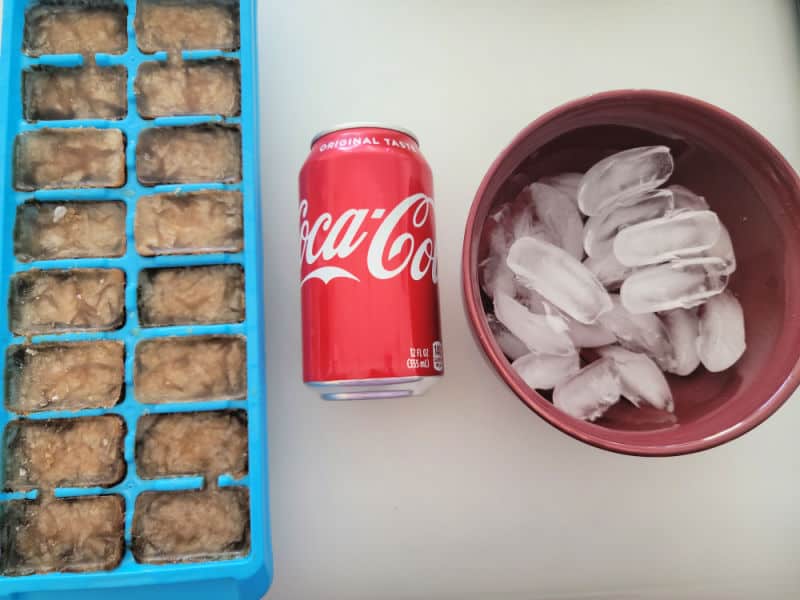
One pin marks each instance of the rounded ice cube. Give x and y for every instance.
(676, 235)
(560, 278)
(679, 284)
(618, 179)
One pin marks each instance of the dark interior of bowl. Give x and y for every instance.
(754, 192)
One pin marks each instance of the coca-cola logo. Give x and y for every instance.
(391, 251)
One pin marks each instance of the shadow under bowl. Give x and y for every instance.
(755, 193)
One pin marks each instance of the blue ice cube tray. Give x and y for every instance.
(243, 577)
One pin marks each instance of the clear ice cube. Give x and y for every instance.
(600, 230)
(589, 336)
(560, 215)
(722, 335)
(542, 233)
(590, 392)
(496, 277)
(543, 371)
(510, 344)
(560, 278)
(608, 270)
(566, 183)
(723, 249)
(534, 330)
(676, 235)
(639, 332)
(682, 325)
(687, 199)
(641, 380)
(618, 179)
(679, 284)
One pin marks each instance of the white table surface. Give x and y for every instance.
(465, 493)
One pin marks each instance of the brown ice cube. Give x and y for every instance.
(191, 526)
(207, 87)
(49, 230)
(62, 535)
(69, 158)
(195, 368)
(76, 29)
(187, 24)
(193, 154)
(191, 295)
(201, 443)
(68, 376)
(66, 300)
(46, 454)
(192, 223)
(90, 92)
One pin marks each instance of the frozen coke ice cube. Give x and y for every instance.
(600, 230)
(190, 368)
(54, 230)
(190, 223)
(191, 526)
(63, 158)
(62, 93)
(62, 535)
(544, 371)
(75, 28)
(534, 330)
(687, 199)
(191, 295)
(53, 301)
(561, 217)
(64, 376)
(680, 284)
(590, 392)
(618, 179)
(197, 87)
(676, 235)
(682, 325)
(560, 278)
(189, 154)
(642, 382)
(204, 443)
(80, 452)
(186, 25)
(722, 335)
(640, 333)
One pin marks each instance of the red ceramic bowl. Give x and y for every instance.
(755, 192)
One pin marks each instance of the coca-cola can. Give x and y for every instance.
(369, 275)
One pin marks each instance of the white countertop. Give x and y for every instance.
(465, 493)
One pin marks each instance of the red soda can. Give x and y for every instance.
(368, 276)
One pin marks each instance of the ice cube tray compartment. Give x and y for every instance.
(234, 558)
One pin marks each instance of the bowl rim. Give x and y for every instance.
(580, 430)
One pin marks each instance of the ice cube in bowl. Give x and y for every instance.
(756, 195)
